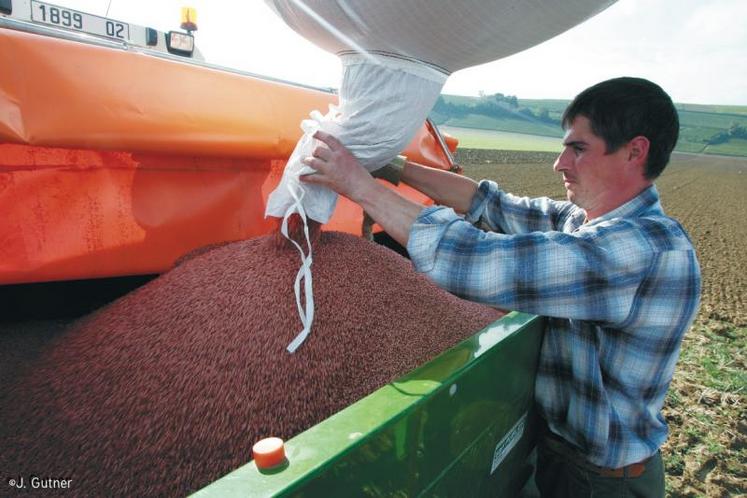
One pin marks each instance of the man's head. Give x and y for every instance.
(621, 109)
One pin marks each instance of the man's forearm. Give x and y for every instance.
(393, 212)
(445, 188)
(336, 168)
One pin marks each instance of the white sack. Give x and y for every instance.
(396, 56)
(444, 35)
(381, 108)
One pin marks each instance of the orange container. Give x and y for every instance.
(117, 162)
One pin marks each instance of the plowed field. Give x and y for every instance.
(705, 454)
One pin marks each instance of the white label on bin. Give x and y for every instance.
(507, 443)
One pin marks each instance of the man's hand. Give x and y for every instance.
(337, 169)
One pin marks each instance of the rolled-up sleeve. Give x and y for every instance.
(426, 234)
(486, 191)
(502, 212)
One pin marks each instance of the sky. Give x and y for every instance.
(695, 49)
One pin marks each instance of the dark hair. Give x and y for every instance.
(621, 109)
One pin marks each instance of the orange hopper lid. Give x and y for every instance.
(268, 452)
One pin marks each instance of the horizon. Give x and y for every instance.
(676, 103)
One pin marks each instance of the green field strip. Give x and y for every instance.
(471, 138)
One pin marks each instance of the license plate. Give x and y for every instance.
(79, 21)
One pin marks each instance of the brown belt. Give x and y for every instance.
(554, 443)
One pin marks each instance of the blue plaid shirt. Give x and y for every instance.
(620, 291)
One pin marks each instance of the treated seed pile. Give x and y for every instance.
(166, 389)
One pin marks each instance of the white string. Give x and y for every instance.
(297, 191)
(304, 272)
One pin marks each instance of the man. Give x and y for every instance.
(617, 278)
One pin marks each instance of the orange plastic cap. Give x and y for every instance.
(268, 452)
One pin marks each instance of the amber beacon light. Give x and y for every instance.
(189, 19)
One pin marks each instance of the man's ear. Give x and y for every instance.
(638, 149)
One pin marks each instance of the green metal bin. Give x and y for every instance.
(461, 425)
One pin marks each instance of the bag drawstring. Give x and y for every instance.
(304, 272)
(296, 190)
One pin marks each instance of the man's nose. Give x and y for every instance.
(560, 162)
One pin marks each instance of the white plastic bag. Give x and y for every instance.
(318, 202)
(373, 128)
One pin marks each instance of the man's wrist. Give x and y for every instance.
(392, 172)
(368, 194)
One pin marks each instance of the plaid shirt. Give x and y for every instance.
(620, 291)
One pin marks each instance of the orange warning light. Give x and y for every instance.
(189, 18)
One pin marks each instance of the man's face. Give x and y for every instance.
(591, 176)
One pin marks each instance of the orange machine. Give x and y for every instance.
(116, 160)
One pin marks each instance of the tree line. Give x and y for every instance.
(734, 131)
